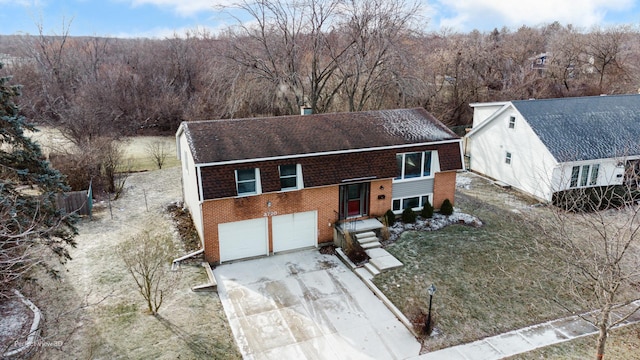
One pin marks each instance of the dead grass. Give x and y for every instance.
(95, 311)
(51, 140)
(487, 278)
(136, 150)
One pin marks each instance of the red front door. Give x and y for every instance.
(354, 200)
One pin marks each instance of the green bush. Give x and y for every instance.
(446, 208)
(408, 216)
(390, 217)
(427, 211)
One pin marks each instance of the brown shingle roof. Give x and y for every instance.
(215, 141)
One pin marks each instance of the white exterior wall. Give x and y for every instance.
(190, 179)
(482, 111)
(532, 166)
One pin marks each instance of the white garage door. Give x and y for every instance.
(295, 231)
(243, 239)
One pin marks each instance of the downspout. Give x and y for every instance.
(175, 264)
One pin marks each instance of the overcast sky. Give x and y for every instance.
(160, 18)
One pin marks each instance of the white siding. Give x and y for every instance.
(482, 112)
(609, 173)
(190, 183)
(531, 167)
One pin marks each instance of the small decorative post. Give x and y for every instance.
(427, 328)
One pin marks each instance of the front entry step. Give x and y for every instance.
(366, 237)
(371, 245)
(368, 240)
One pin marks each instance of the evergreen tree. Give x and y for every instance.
(30, 224)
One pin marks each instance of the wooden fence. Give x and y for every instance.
(78, 201)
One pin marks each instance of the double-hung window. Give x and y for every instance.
(290, 177)
(413, 165)
(512, 122)
(507, 158)
(248, 181)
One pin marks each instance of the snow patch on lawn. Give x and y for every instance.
(438, 221)
(463, 182)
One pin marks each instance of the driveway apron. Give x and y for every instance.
(306, 305)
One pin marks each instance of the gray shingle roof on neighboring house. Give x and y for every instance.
(258, 138)
(585, 128)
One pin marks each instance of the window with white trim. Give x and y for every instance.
(248, 181)
(584, 175)
(414, 165)
(507, 158)
(290, 176)
(414, 202)
(512, 122)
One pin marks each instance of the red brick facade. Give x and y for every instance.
(323, 199)
(444, 187)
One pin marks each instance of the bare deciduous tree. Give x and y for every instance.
(596, 236)
(374, 31)
(115, 167)
(605, 53)
(158, 152)
(147, 257)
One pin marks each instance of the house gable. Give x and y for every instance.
(505, 148)
(536, 145)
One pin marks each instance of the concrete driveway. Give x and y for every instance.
(305, 305)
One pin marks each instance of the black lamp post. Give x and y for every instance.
(432, 290)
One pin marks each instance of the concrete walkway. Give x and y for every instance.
(523, 340)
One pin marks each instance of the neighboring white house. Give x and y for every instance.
(545, 146)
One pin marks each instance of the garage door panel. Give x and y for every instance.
(294, 231)
(243, 239)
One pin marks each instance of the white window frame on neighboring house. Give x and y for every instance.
(296, 176)
(255, 180)
(426, 168)
(512, 122)
(584, 175)
(508, 156)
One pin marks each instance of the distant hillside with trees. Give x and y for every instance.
(348, 58)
